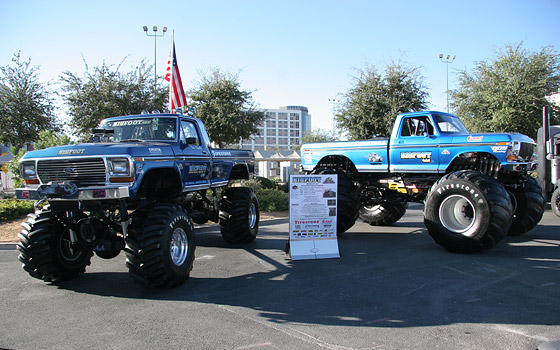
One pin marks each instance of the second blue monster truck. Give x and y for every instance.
(475, 186)
(136, 188)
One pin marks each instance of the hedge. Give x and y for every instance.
(273, 200)
(11, 209)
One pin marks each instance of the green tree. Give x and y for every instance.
(316, 135)
(507, 93)
(228, 112)
(106, 92)
(46, 139)
(26, 106)
(369, 107)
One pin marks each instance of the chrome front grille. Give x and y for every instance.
(86, 172)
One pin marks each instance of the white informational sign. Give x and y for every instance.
(313, 201)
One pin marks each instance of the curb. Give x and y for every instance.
(197, 230)
(8, 246)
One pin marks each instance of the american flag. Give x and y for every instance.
(177, 96)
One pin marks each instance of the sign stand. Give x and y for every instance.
(313, 203)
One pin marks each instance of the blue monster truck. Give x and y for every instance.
(136, 187)
(475, 187)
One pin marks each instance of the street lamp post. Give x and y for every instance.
(447, 61)
(155, 35)
(333, 101)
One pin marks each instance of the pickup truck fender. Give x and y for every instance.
(484, 162)
(240, 171)
(160, 182)
(337, 162)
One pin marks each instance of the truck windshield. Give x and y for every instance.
(449, 124)
(142, 129)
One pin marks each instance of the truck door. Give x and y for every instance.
(195, 159)
(415, 149)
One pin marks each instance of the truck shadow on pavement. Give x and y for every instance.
(381, 280)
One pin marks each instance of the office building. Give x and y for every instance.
(281, 130)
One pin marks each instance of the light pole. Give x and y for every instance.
(447, 61)
(333, 101)
(155, 35)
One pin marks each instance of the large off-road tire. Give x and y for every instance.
(348, 201)
(45, 249)
(160, 246)
(239, 215)
(383, 214)
(555, 201)
(529, 204)
(467, 212)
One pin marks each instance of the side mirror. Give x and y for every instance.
(190, 141)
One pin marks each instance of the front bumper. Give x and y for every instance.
(68, 191)
(519, 167)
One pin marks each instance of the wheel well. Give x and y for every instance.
(484, 162)
(338, 162)
(239, 172)
(160, 183)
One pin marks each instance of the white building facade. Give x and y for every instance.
(281, 130)
(6, 181)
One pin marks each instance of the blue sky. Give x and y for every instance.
(287, 52)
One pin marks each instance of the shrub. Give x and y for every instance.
(266, 183)
(258, 183)
(283, 186)
(273, 200)
(13, 209)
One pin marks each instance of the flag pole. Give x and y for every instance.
(171, 57)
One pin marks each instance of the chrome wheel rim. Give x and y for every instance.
(457, 214)
(179, 246)
(252, 217)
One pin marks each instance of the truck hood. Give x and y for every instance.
(136, 149)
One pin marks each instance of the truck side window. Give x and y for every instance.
(407, 127)
(417, 127)
(188, 129)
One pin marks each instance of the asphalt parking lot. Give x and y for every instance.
(392, 288)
